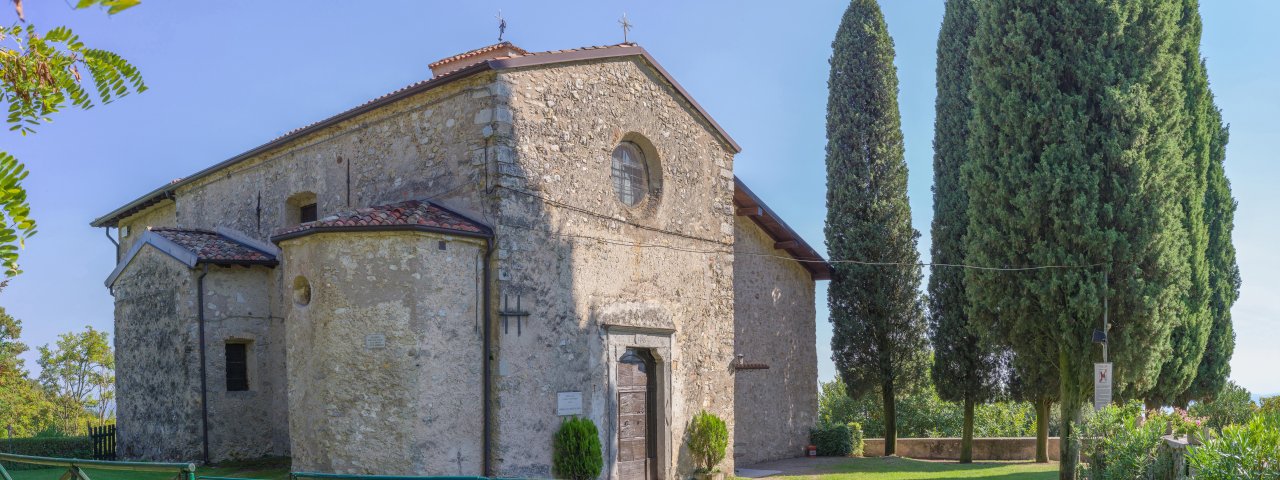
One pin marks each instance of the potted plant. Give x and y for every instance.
(708, 439)
(576, 450)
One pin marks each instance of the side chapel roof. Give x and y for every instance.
(408, 215)
(193, 246)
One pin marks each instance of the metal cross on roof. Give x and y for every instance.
(626, 27)
(502, 26)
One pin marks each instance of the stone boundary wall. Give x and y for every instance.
(1005, 448)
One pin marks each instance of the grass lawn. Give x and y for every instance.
(272, 470)
(896, 468)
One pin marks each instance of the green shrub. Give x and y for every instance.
(1233, 405)
(60, 447)
(856, 439)
(923, 414)
(1250, 451)
(833, 439)
(1119, 444)
(708, 440)
(576, 450)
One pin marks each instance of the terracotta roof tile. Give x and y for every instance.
(476, 52)
(409, 215)
(212, 247)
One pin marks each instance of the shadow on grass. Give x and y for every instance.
(904, 468)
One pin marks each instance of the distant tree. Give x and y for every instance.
(966, 369)
(79, 370)
(1224, 273)
(1037, 383)
(1231, 406)
(1075, 154)
(23, 404)
(41, 73)
(878, 328)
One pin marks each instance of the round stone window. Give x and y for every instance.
(630, 174)
(301, 291)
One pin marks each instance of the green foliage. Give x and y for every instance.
(576, 450)
(1119, 444)
(1224, 273)
(923, 414)
(1249, 451)
(1269, 406)
(23, 404)
(79, 370)
(878, 339)
(708, 440)
(60, 447)
(833, 439)
(41, 73)
(858, 439)
(963, 366)
(1232, 406)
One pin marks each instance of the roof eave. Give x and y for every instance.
(379, 228)
(777, 229)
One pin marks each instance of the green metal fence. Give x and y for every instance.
(76, 467)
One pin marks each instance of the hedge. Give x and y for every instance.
(60, 447)
(837, 439)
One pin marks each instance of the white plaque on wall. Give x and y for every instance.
(568, 403)
(375, 341)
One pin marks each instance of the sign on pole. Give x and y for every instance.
(1101, 385)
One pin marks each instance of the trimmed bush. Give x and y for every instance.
(833, 439)
(61, 447)
(708, 440)
(855, 429)
(576, 450)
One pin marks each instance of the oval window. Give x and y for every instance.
(301, 291)
(630, 174)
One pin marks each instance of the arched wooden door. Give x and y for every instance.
(636, 438)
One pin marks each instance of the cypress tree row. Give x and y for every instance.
(1190, 334)
(1224, 274)
(1075, 154)
(965, 369)
(878, 340)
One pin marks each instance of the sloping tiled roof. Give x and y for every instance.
(476, 52)
(408, 215)
(499, 63)
(212, 247)
(193, 246)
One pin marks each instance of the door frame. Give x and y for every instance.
(658, 343)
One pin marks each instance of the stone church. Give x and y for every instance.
(430, 282)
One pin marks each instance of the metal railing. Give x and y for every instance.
(75, 467)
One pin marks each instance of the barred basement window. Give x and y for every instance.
(307, 213)
(237, 367)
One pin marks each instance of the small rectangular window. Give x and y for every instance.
(307, 213)
(237, 367)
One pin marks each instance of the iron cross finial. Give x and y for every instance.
(626, 27)
(502, 26)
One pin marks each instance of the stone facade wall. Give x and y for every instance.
(253, 423)
(161, 215)
(385, 359)
(157, 360)
(567, 247)
(774, 318)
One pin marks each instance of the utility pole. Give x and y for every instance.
(1106, 327)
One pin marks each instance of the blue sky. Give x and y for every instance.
(227, 78)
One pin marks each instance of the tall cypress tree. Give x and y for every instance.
(1075, 154)
(965, 368)
(1224, 274)
(878, 328)
(1191, 332)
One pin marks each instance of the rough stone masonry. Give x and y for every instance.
(430, 282)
